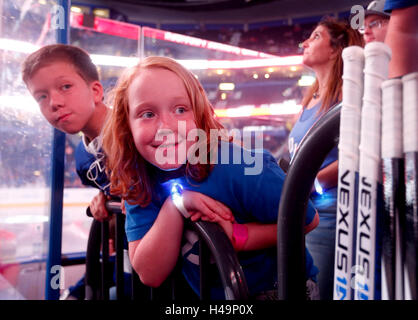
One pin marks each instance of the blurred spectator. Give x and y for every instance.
(375, 22)
(278, 40)
(25, 140)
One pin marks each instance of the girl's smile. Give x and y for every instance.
(160, 116)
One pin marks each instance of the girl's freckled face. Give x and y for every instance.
(158, 102)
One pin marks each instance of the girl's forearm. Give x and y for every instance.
(260, 236)
(155, 255)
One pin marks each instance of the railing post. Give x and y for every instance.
(120, 279)
(52, 292)
(204, 263)
(105, 260)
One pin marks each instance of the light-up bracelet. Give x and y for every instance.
(318, 187)
(177, 197)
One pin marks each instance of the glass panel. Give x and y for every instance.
(250, 90)
(103, 40)
(75, 224)
(25, 154)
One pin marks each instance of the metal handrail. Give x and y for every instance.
(312, 151)
(215, 240)
(230, 270)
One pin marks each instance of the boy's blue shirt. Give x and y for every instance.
(91, 168)
(251, 198)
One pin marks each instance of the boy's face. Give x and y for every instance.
(64, 97)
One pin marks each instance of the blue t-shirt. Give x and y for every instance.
(251, 198)
(90, 167)
(398, 4)
(325, 202)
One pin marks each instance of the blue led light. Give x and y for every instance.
(176, 192)
(176, 189)
(318, 187)
(177, 197)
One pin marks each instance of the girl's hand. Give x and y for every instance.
(200, 205)
(226, 225)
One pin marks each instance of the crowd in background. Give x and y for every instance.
(277, 40)
(25, 143)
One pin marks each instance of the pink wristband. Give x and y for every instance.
(239, 235)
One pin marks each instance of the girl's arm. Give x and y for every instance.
(260, 235)
(155, 255)
(402, 38)
(199, 205)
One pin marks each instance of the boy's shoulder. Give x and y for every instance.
(87, 153)
(93, 148)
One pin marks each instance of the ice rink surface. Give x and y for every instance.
(24, 227)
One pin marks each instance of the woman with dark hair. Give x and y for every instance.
(322, 53)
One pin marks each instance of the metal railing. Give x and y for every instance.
(315, 146)
(214, 242)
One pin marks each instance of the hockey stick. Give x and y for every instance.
(353, 58)
(393, 189)
(367, 275)
(410, 143)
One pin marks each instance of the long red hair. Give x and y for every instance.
(126, 168)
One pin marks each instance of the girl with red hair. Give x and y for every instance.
(160, 115)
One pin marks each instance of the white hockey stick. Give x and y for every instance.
(410, 141)
(393, 189)
(377, 56)
(348, 163)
